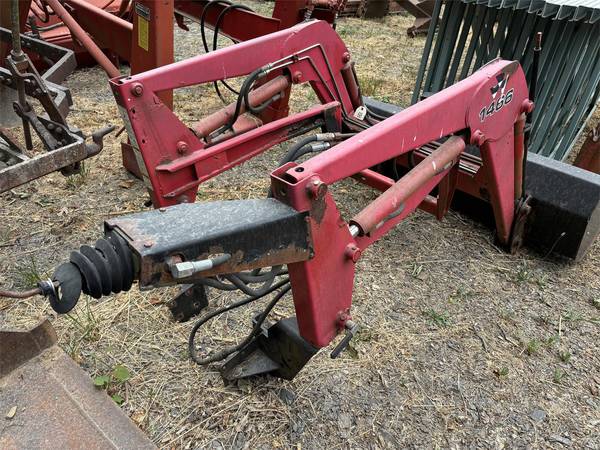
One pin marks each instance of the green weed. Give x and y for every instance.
(558, 376)
(533, 347)
(440, 319)
(77, 180)
(112, 381)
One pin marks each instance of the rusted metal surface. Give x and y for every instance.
(18, 347)
(41, 165)
(65, 146)
(63, 64)
(422, 10)
(52, 402)
(589, 155)
(194, 231)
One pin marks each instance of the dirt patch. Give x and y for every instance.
(462, 344)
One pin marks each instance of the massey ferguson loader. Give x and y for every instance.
(466, 143)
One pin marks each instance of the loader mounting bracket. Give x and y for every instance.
(278, 350)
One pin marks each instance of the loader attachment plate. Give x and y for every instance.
(47, 401)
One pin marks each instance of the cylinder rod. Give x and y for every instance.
(256, 97)
(392, 200)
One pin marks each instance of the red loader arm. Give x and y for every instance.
(484, 108)
(175, 159)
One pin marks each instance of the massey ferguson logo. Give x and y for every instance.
(502, 79)
(499, 98)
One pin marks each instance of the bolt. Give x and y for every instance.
(346, 57)
(297, 77)
(148, 244)
(137, 89)
(197, 305)
(527, 106)
(353, 252)
(182, 148)
(317, 189)
(50, 126)
(342, 318)
(477, 138)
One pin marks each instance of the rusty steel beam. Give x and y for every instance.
(589, 155)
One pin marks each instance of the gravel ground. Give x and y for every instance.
(462, 345)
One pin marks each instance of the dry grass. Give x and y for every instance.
(445, 357)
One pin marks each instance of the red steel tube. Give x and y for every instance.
(392, 200)
(256, 97)
(83, 37)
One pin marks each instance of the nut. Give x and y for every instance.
(478, 138)
(182, 147)
(137, 89)
(353, 252)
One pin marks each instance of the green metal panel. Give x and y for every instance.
(470, 33)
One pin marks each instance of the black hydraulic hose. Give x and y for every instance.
(220, 18)
(241, 280)
(217, 27)
(289, 155)
(203, 19)
(222, 354)
(256, 109)
(258, 277)
(247, 289)
(205, 43)
(238, 105)
(297, 150)
(375, 115)
(214, 283)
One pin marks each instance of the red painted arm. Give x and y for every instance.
(174, 160)
(483, 108)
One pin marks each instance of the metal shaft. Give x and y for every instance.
(16, 32)
(393, 199)
(85, 40)
(18, 58)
